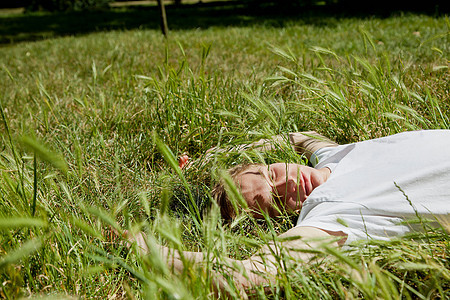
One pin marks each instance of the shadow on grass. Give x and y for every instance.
(38, 26)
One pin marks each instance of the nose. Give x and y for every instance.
(291, 185)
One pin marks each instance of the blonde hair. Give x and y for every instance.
(219, 193)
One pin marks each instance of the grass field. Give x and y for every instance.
(93, 118)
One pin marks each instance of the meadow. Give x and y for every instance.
(92, 123)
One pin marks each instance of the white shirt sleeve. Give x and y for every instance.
(375, 185)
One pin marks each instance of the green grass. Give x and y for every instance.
(91, 124)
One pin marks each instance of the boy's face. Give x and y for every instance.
(278, 187)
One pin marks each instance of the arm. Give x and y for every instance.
(262, 267)
(305, 143)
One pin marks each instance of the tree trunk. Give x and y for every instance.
(162, 10)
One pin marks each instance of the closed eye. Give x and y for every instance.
(271, 175)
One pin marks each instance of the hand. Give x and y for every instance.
(183, 161)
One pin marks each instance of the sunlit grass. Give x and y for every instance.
(91, 127)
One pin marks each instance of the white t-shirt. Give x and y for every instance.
(376, 184)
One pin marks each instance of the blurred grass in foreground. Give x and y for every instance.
(91, 126)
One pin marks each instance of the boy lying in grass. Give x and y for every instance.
(359, 191)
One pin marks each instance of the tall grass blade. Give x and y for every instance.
(24, 250)
(89, 229)
(170, 159)
(111, 259)
(35, 187)
(288, 55)
(104, 216)
(387, 288)
(13, 148)
(325, 51)
(7, 72)
(236, 199)
(19, 222)
(53, 158)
